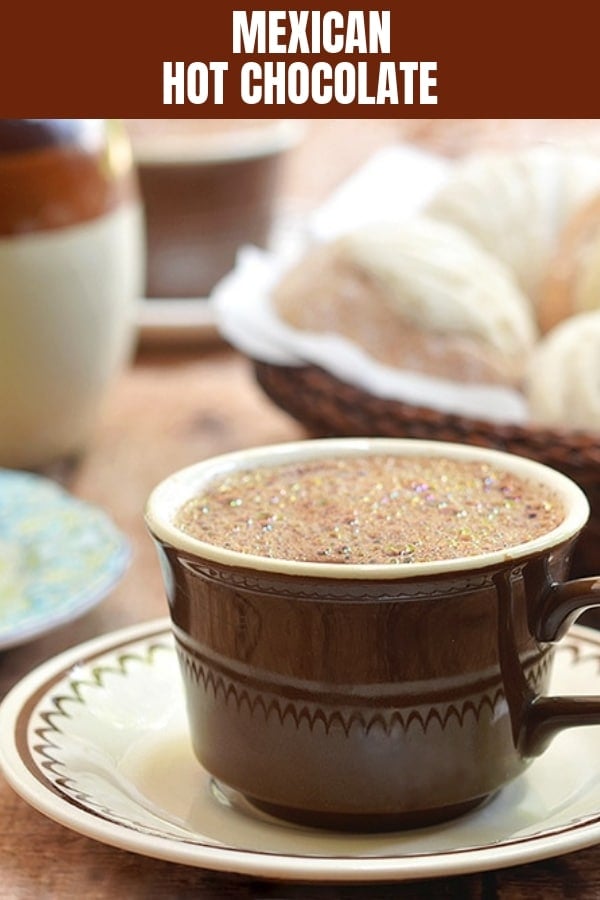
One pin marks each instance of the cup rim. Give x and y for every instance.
(270, 139)
(172, 492)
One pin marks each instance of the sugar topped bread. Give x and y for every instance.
(516, 204)
(421, 295)
(562, 382)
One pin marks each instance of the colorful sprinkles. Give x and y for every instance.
(371, 509)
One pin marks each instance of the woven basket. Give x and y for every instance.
(329, 407)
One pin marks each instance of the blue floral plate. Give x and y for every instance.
(59, 556)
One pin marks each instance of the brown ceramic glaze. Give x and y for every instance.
(362, 701)
(197, 217)
(203, 204)
(71, 275)
(56, 173)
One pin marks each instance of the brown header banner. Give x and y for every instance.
(194, 58)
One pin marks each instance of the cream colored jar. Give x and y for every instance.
(71, 271)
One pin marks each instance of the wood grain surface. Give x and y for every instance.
(162, 414)
(165, 411)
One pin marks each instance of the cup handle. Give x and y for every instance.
(544, 716)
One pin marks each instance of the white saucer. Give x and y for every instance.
(59, 556)
(96, 739)
(174, 322)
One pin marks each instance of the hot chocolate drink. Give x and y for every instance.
(359, 697)
(371, 509)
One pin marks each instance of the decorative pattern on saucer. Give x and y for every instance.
(97, 739)
(59, 556)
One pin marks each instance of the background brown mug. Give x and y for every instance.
(208, 187)
(371, 696)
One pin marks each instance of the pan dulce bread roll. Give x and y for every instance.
(562, 384)
(516, 204)
(420, 296)
(572, 283)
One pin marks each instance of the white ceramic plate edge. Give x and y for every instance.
(23, 634)
(298, 867)
(176, 321)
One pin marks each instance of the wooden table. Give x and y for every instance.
(166, 411)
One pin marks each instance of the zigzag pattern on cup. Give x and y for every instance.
(311, 715)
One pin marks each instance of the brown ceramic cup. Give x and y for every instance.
(208, 187)
(371, 696)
